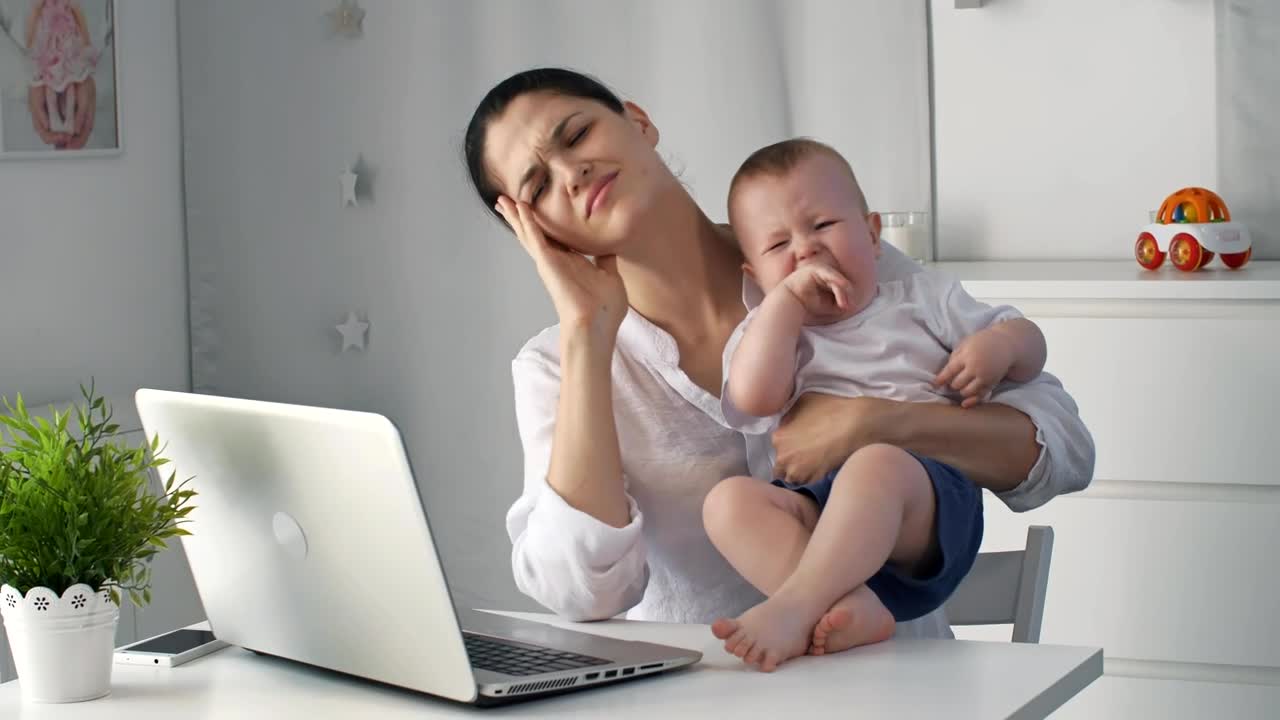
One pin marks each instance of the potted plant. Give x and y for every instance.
(79, 525)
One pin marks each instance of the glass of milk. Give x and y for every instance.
(908, 232)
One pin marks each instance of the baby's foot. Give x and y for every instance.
(858, 618)
(768, 634)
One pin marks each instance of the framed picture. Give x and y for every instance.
(59, 79)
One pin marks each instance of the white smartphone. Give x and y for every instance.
(170, 649)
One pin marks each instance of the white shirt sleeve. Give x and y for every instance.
(1066, 456)
(1066, 447)
(569, 561)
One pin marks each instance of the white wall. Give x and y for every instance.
(1248, 75)
(92, 259)
(93, 269)
(1059, 124)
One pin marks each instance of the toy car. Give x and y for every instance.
(1191, 226)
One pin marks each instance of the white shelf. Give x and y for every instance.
(1114, 280)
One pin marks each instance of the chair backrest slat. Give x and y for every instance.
(1007, 588)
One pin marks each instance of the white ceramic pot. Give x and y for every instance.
(62, 646)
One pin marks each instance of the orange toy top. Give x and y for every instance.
(1198, 205)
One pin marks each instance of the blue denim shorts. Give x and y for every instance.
(959, 527)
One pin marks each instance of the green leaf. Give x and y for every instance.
(79, 508)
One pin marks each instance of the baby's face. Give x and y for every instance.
(808, 215)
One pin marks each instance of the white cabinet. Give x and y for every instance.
(1167, 561)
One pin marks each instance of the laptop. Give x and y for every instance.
(310, 542)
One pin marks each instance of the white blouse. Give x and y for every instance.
(675, 447)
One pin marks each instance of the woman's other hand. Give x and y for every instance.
(587, 296)
(822, 431)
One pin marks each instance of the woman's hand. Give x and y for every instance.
(586, 295)
(822, 431)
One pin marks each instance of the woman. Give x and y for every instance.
(616, 405)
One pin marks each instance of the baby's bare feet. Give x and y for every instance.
(768, 634)
(858, 618)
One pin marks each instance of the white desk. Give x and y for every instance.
(900, 679)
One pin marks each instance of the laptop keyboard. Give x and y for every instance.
(512, 658)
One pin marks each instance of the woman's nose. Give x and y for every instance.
(579, 178)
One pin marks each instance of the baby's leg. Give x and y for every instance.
(762, 530)
(881, 509)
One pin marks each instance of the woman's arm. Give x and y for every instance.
(994, 445)
(1028, 443)
(566, 558)
(586, 463)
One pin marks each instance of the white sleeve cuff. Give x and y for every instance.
(1066, 456)
(576, 565)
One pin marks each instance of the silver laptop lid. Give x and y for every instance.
(309, 540)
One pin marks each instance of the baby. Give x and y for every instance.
(888, 535)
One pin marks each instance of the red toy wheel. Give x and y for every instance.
(1204, 260)
(1185, 253)
(1148, 252)
(1235, 261)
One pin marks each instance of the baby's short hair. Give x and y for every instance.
(782, 157)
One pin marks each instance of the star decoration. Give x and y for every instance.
(347, 19)
(353, 332)
(348, 179)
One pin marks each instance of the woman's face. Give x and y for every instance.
(589, 173)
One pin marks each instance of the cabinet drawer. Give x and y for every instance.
(1174, 400)
(1157, 580)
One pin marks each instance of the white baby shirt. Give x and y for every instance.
(892, 349)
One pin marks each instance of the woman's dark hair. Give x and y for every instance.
(553, 80)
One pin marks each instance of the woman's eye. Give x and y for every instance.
(578, 136)
(824, 224)
(537, 192)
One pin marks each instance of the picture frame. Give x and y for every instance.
(55, 55)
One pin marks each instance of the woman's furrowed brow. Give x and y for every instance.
(554, 139)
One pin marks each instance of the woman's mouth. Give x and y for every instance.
(599, 193)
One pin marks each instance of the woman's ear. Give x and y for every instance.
(641, 120)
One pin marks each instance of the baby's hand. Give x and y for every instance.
(821, 290)
(976, 366)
